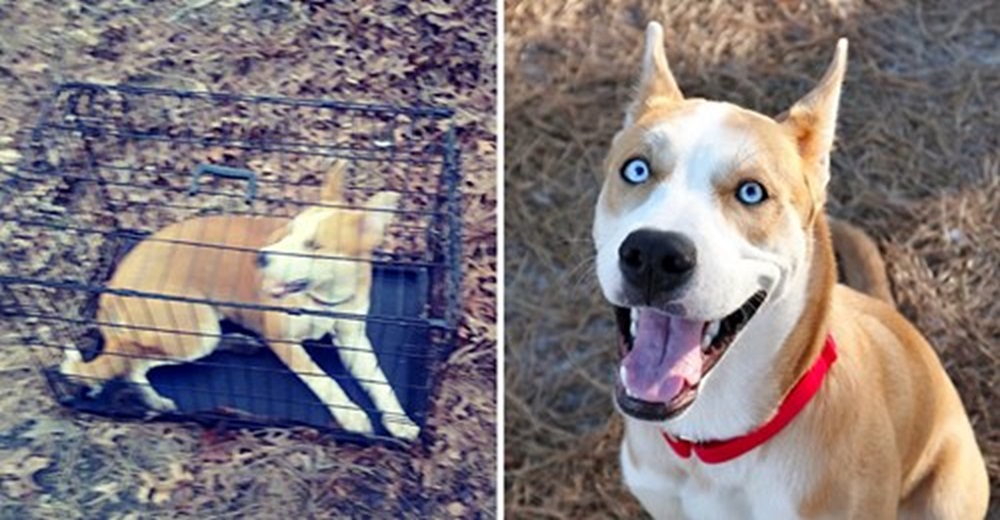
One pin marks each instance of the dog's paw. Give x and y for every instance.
(355, 421)
(401, 426)
(159, 403)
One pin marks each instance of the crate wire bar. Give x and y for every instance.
(109, 166)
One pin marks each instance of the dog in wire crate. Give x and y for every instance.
(169, 294)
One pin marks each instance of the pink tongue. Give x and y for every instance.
(666, 353)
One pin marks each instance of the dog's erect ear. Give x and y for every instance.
(656, 85)
(333, 184)
(812, 120)
(374, 222)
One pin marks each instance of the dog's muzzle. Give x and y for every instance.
(655, 264)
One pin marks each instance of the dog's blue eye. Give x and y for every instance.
(635, 171)
(751, 193)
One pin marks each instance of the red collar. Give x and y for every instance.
(714, 452)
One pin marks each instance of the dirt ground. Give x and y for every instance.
(56, 464)
(917, 165)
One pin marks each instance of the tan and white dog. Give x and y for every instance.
(319, 260)
(754, 386)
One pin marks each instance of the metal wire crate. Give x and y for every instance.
(108, 168)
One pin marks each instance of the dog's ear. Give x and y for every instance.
(656, 84)
(333, 184)
(375, 222)
(812, 120)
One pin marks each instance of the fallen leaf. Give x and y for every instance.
(18, 468)
(9, 156)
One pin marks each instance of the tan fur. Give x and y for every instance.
(213, 258)
(888, 421)
(886, 436)
(861, 264)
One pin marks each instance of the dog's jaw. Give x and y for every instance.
(739, 394)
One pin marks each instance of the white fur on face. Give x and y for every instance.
(290, 260)
(729, 269)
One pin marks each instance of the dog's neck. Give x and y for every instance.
(777, 347)
(805, 341)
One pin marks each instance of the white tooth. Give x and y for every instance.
(713, 329)
(706, 340)
(622, 373)
(634, 325)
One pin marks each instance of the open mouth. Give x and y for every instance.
(664, 357)
(284, 289)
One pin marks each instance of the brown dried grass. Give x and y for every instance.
(917, 165)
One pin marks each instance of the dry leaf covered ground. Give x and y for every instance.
(917, 165)
(56, 464)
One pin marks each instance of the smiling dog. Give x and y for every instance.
(320, 260)
(754, 386)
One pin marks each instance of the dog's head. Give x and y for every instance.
(703, 220)
(327, 251)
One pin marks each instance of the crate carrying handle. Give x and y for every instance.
(227, 172)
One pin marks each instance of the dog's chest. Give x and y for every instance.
(670, 487)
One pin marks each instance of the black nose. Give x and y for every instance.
(262, 260)
(654, 261)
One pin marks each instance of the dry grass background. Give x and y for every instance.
(56, 464)
(917, 165)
